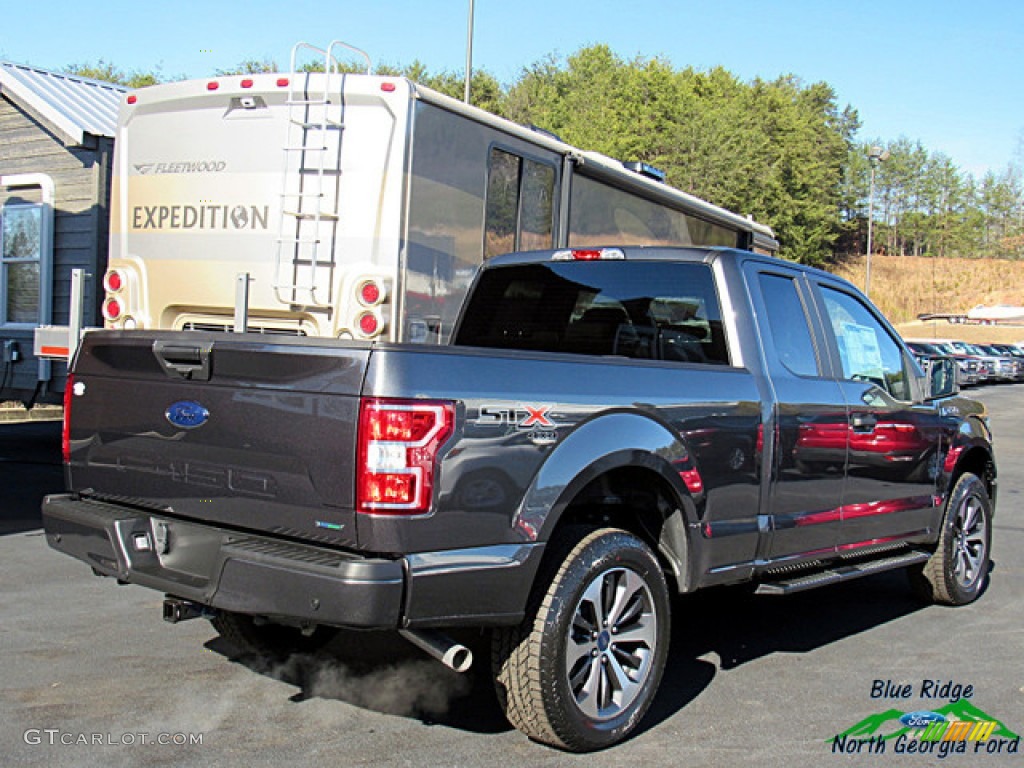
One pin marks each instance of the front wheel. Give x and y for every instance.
(958, 569)
(582, 669)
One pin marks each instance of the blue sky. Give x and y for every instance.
(948, 73)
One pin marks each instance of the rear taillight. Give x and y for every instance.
(370, 324)
(65, 433)
(398, 447)
(371, 293)
(113, 281)
(112, 309)
(371, 296)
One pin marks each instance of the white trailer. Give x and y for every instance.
(352, 205)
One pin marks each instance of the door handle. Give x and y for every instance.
(863, 422)
(185, 361)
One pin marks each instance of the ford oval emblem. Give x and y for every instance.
(187, 414)
(921, 719)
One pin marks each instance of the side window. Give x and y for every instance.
(536, 209)
(866, 350)
(600, 214)
(20, 260)
(787, 320)
(502, 203)
(519, 208)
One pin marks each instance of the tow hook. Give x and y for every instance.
(177, 609)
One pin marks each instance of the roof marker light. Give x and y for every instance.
(132, 98)
(282, 82)
(213, 85)
(387, 87)
(247, 83)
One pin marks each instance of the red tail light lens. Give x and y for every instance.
(113, 281)
(370, 293)
(65, 433)
(398, 447)
(112, 309)
(369, 324)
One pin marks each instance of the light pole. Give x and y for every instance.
(876, 155)
(469, 54)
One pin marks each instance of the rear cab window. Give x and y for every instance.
(634, 309)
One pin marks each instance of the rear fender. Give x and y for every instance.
(607, 442)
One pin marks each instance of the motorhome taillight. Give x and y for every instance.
(369, 324)
(398, 446)
(370, 293)
(112, 309)
(113, 281)
(65, 433)
(588, 254)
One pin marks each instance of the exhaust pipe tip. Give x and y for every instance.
(459, 658)
(453, 655)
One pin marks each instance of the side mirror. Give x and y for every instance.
(942, 377)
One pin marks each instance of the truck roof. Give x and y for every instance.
(703, 253)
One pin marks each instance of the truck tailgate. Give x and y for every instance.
(247, 431)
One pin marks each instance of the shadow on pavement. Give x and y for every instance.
(30, 468)
(382, 672)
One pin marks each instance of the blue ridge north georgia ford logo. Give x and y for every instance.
(187, 414)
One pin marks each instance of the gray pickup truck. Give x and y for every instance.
(609, 427)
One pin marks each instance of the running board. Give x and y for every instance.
(841, 572)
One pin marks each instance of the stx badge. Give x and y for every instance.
(522, 416)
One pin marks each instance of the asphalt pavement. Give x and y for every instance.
(91, 675)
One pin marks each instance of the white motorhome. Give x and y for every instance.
(353, 206)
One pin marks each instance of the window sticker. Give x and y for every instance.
(860, 351)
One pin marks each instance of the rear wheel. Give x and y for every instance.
(250, 635)
(958, 569)
(582, 669)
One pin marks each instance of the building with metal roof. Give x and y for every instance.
(56, 155)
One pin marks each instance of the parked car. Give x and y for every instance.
(968, 366)
(1012, 355)
(1002, 368)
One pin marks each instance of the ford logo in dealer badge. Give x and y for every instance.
(187, 414)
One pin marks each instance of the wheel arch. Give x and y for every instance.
(620, 469)
(975, 457)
